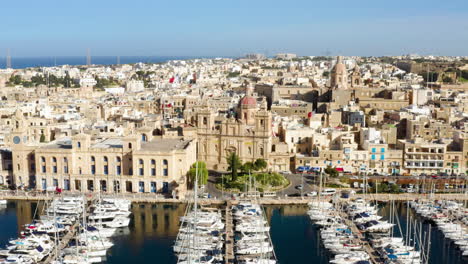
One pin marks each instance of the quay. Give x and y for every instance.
(154, 198)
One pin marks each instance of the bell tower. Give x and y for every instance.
(22, 155)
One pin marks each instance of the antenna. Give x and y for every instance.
(88, 57)
(8, 59)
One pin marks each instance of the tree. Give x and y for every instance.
(42, 139)
(331, 171)
(248, 167)
(260, 164)
(202, 173)
(234, 165)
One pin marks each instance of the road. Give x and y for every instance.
(296, 179)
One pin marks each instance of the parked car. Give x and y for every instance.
(311, 194)
(300, 187)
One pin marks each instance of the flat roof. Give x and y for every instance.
(165, 145)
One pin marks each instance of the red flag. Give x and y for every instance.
(171, 80)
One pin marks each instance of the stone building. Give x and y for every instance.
(134, 163)
(249, 135)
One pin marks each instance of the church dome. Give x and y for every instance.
(248, 102)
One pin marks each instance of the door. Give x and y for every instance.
(66, 184)
(153, 187)
(142, 186)
(44, 184)
(165, 187)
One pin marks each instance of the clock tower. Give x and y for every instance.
(22, 154)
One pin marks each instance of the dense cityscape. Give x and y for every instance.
(362, 150)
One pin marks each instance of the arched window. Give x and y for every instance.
(141, 168)
(144, 138)
(106, 165)
(65, 165)
(42, 159)
(153, 167)
(78, 144)
(165, 168)
(118, 168)
(54, 165)
(93, 165)
(129, 145)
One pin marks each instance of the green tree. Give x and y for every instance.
(248, 167)
(202, 173)
(234, 165)
(331, 171)
(260, 164)
(42, 139)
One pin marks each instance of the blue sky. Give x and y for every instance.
(233, 28)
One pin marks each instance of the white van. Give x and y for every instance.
(269, 194)
(329, 192)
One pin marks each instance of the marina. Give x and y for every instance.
(154, 228)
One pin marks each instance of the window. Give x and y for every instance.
(382, 157)
(165, 168)
(374, 150)
(54, 159)
(43, 170)
(382, 150)
(153, 167)
(105, 159)
(42, 159)
(93, 169)
(142, 186)
(153, 187)
(144, 138)
(106, 169)
(93, 159)
(55, 182)
(129, 145)
(78, 144)
(140, 161)
(372, 157)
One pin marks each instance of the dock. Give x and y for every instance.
(229, 239)
(63, 244)
(362, 240)
(71, 233)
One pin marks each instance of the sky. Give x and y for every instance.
(233, 28)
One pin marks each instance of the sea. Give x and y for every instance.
(50, 61)
(154, 227)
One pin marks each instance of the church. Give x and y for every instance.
(248, 133)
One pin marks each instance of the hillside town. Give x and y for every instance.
(138, 128)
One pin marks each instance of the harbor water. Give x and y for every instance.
(154, 227)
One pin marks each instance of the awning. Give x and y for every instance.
(339, 169)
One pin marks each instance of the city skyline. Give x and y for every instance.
(219, 29)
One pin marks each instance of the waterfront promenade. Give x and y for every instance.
(154, 198)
